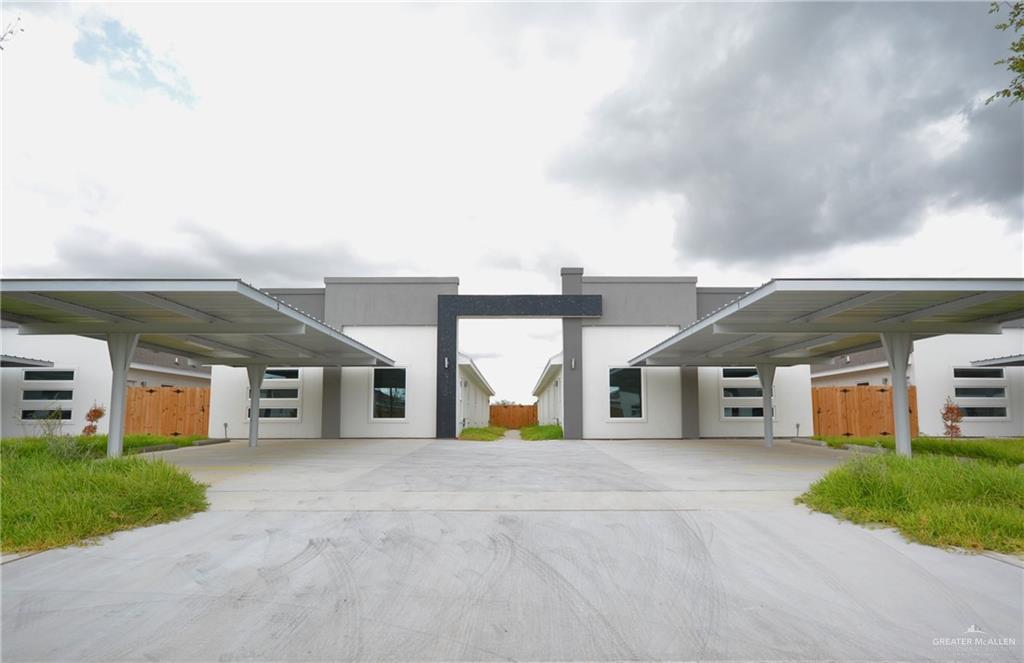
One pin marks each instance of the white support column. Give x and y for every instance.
(898, 346)
(766, 374)
(255, 382)
(121, 347)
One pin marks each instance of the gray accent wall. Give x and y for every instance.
(308, 300)
(572, 359)
(385, 301)
(710, 300)
(689, 408)
(637, 301)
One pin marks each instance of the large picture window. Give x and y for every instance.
(625, 393)
(389, 393)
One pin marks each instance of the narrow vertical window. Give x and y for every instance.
(625, 393)
(389, 393)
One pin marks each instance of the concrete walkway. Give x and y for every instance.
(562, 550)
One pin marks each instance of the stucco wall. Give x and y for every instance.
(549, 401)
(474, 402)
(142, 377)
(87, 357)
(871, 375)
(792, 400)
(413, 348)
(934, 360)
(611, 347)
(229, 403)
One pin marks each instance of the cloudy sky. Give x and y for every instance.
(282, 143)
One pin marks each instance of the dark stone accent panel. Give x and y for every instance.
(572, 359)
(452, 307)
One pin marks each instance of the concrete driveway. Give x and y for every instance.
(444, 550)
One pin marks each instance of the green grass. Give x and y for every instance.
(1006, 450)
(65, 492)
(548, 432)
(485, 434)
(931, 499)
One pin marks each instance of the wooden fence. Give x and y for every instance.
(168, 410)
(857, 411)
(513, 416)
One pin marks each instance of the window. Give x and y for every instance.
(978, 373)
(731, 412)
(281, 374)
(742, 392)
(276, 413)
(389, 393)
(980, 392)
(983, 412)
(277, 393)
(47, 395)
(37, 374)
(739, 372)
(36, 415)
(625, 393)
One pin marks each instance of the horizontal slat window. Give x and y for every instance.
(277, 393)
(970, 412)
(734, 412)
(281, 374)
(742, 392)
(739, 372)
(981, 392)
(36, 374)
(46, 395)
(277, 413)
(978, 373)
(39, 415)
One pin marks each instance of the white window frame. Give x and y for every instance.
(41, 385)
(266, 403)
(982, 401)
(742, 401)
(388, 420)
(608, 396)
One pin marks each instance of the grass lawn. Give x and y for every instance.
(1006, 450)
(64, 492)
(931, 499)
(533, 433)
(486, 434)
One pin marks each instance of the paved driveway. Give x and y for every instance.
(443, 550)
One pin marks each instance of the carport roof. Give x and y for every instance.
(1010, 360)
(800, 321)
(13, 361)
(214, 321)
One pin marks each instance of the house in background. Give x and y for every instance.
(990, 397)
(548, 392)
(78, 377)
(474, 394)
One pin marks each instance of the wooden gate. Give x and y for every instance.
(168, 411)
(514, 416)
(860, 411)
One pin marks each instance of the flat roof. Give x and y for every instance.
(1009, 360)
(214, 321)
(13, 361)
(800, 321)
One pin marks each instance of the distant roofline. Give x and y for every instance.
(391, 279)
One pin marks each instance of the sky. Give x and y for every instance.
(282, 143)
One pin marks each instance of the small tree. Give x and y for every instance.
(94, 414)
(952, 415)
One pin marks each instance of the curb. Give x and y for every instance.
(212, 440)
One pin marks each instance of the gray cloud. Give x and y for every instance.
(93, 252)
(787, 129)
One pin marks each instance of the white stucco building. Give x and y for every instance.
(991, 398)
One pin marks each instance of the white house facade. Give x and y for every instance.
(991, 399)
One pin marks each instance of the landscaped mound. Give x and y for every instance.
(486, 434)
(931, 499)
(62, 491)
(999, 450)
(534, 433)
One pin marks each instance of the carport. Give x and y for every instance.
(214, 321)
(787, 322)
